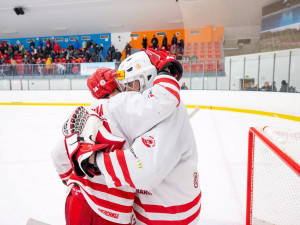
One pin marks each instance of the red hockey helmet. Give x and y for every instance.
(102, 83)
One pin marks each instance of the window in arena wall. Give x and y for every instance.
(105, 36)
(85, 38)
(134, 35)
(58, 39)
(161, 33)
(46, 39)
(195, 32)
(29, 40)
(73, 38)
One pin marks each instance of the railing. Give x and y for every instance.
(26, 70)
(278, 71)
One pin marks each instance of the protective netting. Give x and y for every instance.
(275, 186)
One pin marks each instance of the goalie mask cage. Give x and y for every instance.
(273, 182)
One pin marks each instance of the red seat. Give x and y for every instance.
(186, 67)
(194, 67)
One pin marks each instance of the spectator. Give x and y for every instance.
(71, 47)
(31, 49)
(266, 87)
(39, 50)
(10, 53)
(3, 61)
(32, 44)
(112, 49)
(25, 60)
(49, 43)
(173, 50)
(118, 56)
(180, 46)
(93, 57)
(48, 49)
(44, 53)
(97, 50)
(17, 48)
(154, 42)
(274, 89)
(40, 43)
(33, 65)
(56, 47)
(128, 49)
(174, 40)
(23, 51)
(76, 45)
(48, 64)
(183, 86)
(284, 86)
(83, 45)
(145, 42)
(101, 56)
(165, 43)
(52, 55)
(91, 49)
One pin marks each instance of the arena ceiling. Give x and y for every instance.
(70, 17)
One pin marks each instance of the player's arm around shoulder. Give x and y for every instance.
(61, 160)
(136, 113)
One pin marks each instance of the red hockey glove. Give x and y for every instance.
(102, 83)
(82, 131)
(162, 61)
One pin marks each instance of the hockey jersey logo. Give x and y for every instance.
(196, 178)
(149, 141)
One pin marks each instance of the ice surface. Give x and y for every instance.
(30, 187)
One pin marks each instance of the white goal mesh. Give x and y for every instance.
(273, 195)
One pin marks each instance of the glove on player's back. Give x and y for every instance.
(162, 61)
(82, 130)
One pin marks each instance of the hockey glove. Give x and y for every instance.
(80, 132)
(163, 61)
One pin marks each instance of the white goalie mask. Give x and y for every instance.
(136, 67)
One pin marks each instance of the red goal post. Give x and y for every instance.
(273, 177)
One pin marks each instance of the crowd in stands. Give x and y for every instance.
(267, 87)
(174, 48)
(51, 58)
(51, 53)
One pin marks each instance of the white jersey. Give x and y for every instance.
(156, 104)
(162, 166)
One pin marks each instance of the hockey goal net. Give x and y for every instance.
(273, 183)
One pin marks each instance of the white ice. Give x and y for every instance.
(30, 187)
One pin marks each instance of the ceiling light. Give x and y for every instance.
(59, 28)
(115, 25)
(9, 32)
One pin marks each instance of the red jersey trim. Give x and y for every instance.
(104, 188)
(110, 169)
(122, 161)
(109, 205)
(166, 80)
(175, 93)
(188, 220)
(64, 175)
(169, 210)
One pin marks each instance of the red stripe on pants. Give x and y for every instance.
(78, 212)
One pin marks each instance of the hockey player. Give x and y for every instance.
(156, 109)
(161, 164)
